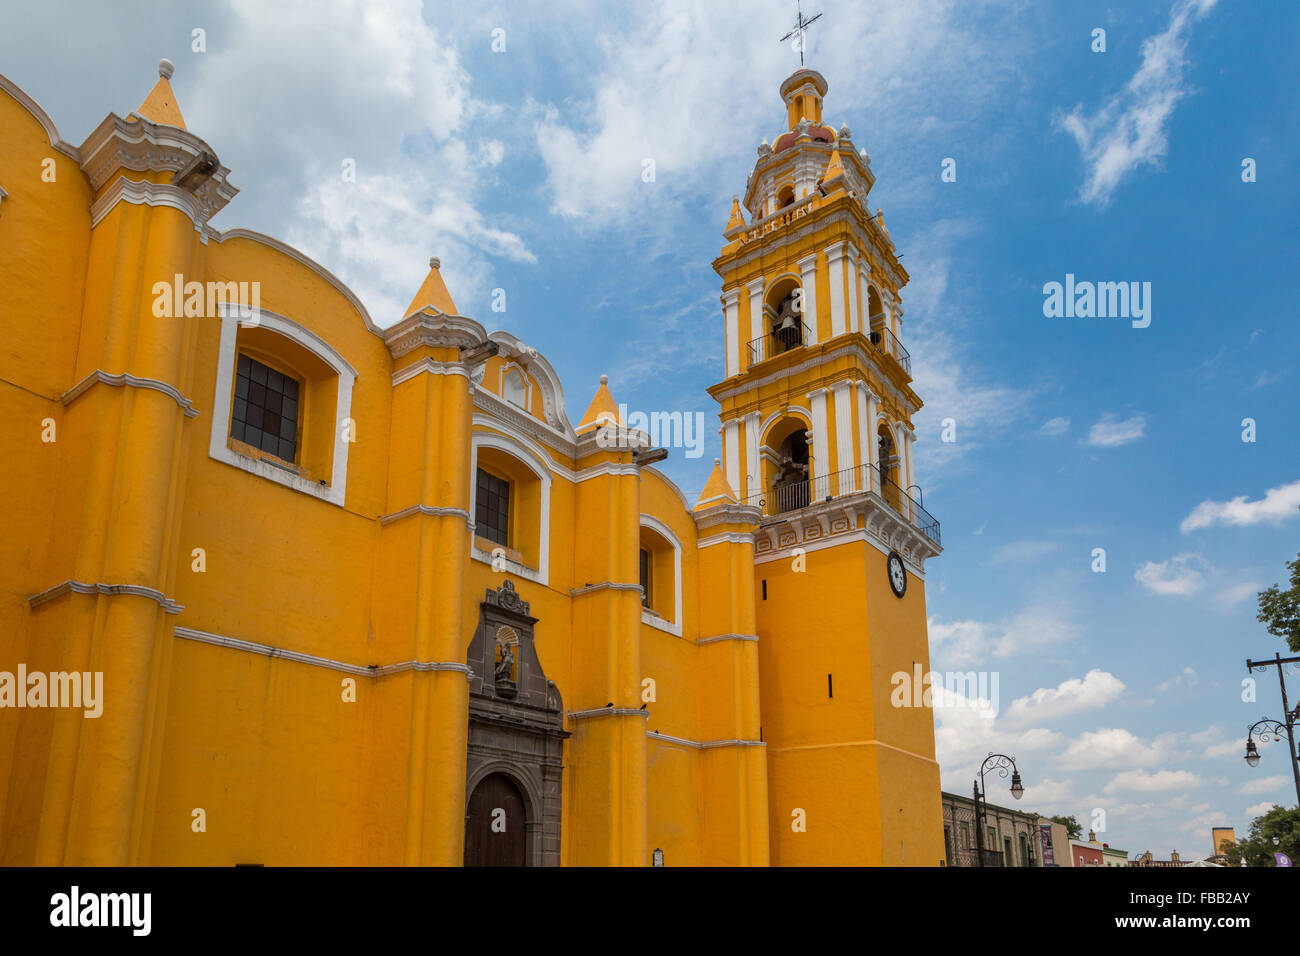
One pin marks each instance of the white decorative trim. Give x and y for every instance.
(835, 540)
(47, 124)
(503, 373)
(540, 369)
(705, 744)
(538, 465)
(665, 532)
(727, 537)
(428, 510)
(669, 482)
(850, 347)
(430, 366)
(808, 282)
(125, 379)
(77, 587)
(336, 491)
(604, 586)
(727, 637)
(753, 466)
(372, 670)
(731, 453)
(3, 194)
(305, 260)
(144, 193)
(607, 712)
(731, 331)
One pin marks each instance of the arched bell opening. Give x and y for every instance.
(788, 479)
(784, 319)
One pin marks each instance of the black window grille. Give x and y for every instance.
(266, 409)
(492, 508)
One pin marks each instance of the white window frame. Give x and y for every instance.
(518, 450)
(528, 387)
(673, 627)
(336, 491)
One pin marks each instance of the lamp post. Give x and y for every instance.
(1274, 728)
(1001, 763)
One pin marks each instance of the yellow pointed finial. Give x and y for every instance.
(716, 489)
(433, 292)
(602, 410)
(160, 105)
(737, 219)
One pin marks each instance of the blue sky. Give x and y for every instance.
(522, 170)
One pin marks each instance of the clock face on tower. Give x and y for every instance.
(897, 574)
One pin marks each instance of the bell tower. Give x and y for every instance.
(816, 411)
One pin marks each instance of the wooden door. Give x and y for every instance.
(495, 825)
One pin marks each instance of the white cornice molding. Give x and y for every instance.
(142, 145)
(604, 586)
(727, 637)
(430, 327)
(124, 379)
(848, 347)
(359, 670)
(77, 587)
(727, 537)
(607, 712)
(42, 117)
(725, 512)
(430, 366)
(141, 192)
(430, 510)
(564, 442)
(702, 744)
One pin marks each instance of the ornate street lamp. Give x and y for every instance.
(1001, 763)
(1268, 729)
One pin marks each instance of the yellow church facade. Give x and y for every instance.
(286, 583)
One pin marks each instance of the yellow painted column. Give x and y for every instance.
(96, 791)
(607, 774)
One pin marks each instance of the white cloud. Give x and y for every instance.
(1143, 782)
(1055, 426)
(1236, 593)
(1275, 784)
(1096, 689)
(377, 84)
(1129, 131)
(1183, 574)
(966, 643)
(1277, 505)
(1108, 432)
(1116, 747)
(1185, 678)
(1259, 809)
(1020, 551)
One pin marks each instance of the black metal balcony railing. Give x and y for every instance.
(778, 341)
(859, 479)
(888, 343)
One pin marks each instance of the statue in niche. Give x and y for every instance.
(505, 669)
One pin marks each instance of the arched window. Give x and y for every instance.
(514, 388)
(785, 197)
(661, 576)
(510, 506)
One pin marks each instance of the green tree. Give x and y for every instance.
(1073, 828)
(1257, 847)
(1280, 610)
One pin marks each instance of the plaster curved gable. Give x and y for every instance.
(42, 117)
(541, 373)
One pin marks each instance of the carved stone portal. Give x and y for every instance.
(516, 729)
